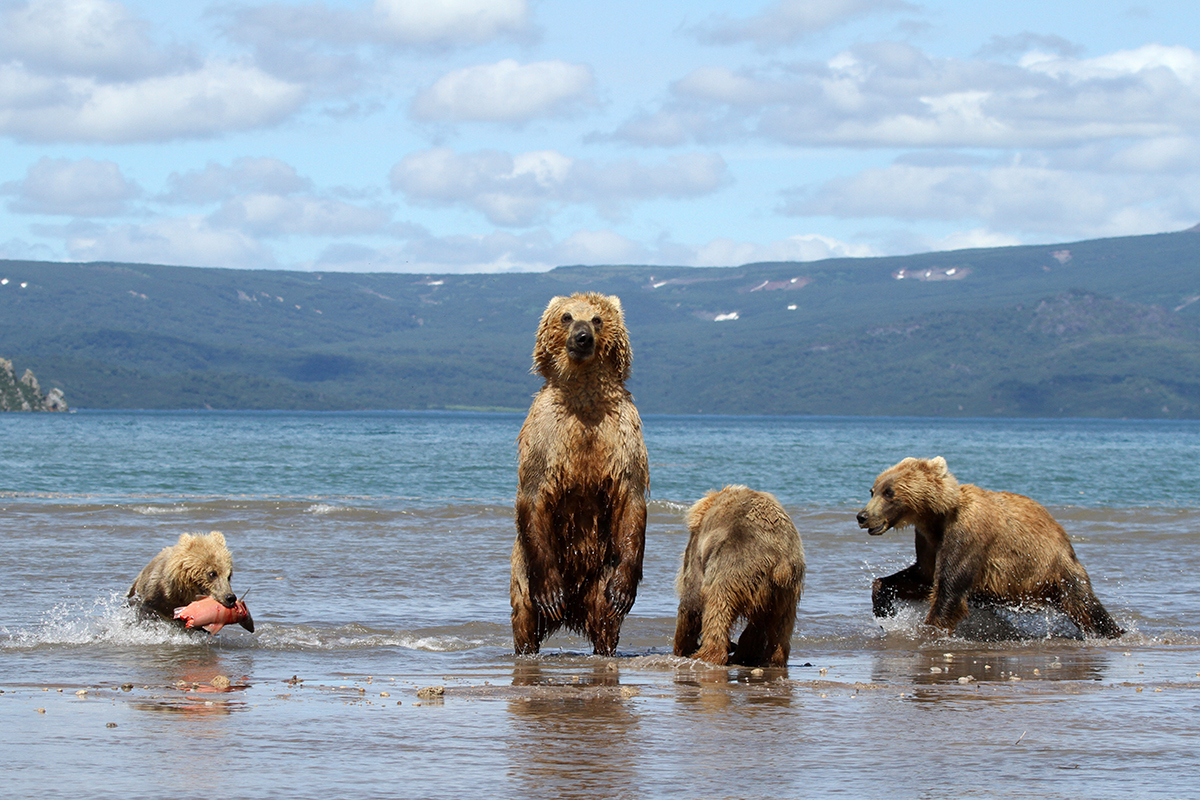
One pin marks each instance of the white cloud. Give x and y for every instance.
(188, 241)
(275, 215)
(268, 197)
(88, 71)
(1170, 155)
(972, 239)
(599, 247)
(786, 21)
(537, 251)
(419, 24)
(81, 37)
(422, 252)
(450, 22)
(724, 252)
(1035, 198)
(1178, 63)
(506, 92)
(218, 182)
(891, 94)
(216, 98)
(83, 188)
(518, 190)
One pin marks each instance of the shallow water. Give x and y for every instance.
(374, 549)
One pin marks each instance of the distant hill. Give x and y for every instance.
(1107, 327)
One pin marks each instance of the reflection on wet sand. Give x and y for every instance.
(575, 735)
(198, 685)
(533, 673)
(970, 663)
(714, 688)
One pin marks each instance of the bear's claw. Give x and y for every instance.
(551, 605)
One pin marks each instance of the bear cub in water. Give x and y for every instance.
(744, 561)
(198, 565)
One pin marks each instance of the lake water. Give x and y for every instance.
(374, 549)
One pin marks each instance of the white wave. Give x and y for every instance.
(324, 508)
(357, 637)
(150, 511)
(106, 620)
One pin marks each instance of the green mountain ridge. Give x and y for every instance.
(1107, 327)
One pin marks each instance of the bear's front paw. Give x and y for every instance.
(620, 597)
(551, 603)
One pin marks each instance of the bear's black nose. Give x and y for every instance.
(583, 338)
(229, 600)
(862, 518)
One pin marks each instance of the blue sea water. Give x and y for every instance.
(374, 548)
(409, 457)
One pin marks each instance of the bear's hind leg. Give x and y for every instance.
(601, 624)
(527, 638)
(718, 619)
(687, 629)
(1080, 603)
(767, 639)
(604, 633)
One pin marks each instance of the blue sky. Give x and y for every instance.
(517, 135)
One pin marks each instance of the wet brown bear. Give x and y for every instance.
(197, 565)
(973, 544)
(582, 479)
(744, 560)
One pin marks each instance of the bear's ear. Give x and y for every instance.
(619, 350)
(217, 537)
(939, 464)
(184, 539)
(543, 348)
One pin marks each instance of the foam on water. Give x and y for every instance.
(107, 620)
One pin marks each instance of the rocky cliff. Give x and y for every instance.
(25, 394)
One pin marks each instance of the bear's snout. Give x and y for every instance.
(228, 600)
(581, 341)
(864, 521)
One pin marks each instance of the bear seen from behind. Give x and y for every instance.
(743, 561)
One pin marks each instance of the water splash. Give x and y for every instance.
(103, 620)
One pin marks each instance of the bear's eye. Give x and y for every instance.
(889, 494)
(597, 322)
(212, 576)
(567, 319)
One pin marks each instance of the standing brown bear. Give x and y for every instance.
(198, 565)
(744, 560)
(973, 544)
(582, 480)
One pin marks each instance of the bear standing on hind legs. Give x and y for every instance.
(973, 544)
(582, 479)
